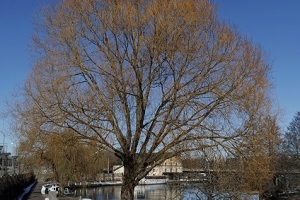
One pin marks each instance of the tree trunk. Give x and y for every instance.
(129, 182)
(127, 192)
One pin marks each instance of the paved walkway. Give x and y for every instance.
(37, 195)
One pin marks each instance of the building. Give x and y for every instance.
(169, 166)
(172, 165)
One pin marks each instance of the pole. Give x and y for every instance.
(3, 140)
(15, 148)
(14, 159)
(108, 177)
(2, 166)
(108, 165)
(1, 158)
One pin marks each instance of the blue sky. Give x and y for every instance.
(16, 29)
(275, 26)
(272, 24)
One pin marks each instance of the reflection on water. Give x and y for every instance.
(141, 192)
(148, 192)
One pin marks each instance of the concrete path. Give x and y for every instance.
(37, 195)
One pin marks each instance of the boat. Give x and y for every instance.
(153, 180)
(46, 188)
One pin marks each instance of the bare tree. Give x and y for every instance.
(257, 155)
(144, 79)
(291, 139)
(251, 167)
(70, 158)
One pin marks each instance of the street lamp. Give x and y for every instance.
(15, 148)
(3, 139)
(14, 158)
(1, 159)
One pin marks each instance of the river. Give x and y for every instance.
(151, 192)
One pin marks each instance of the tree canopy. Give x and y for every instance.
(144, 79)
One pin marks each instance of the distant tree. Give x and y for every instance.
(257, 155)
(143, 79)
(70, 158)
(290, 146)
(251, 167)
(291, 137)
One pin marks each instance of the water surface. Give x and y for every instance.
(152, 192)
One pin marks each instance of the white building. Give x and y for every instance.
(118, 169)
(172, 165)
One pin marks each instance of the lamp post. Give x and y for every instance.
(14, 158)
(15, 148)
(1, 158)
(3, 139)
